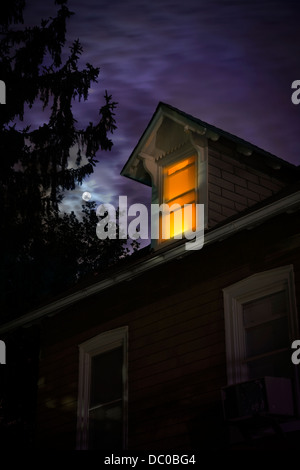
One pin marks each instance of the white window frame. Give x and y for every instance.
(201, 170)
(173, 160)
(98, 345)
(235, 296)
(201, 181)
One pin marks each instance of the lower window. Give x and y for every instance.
(260, 325)
(102, 399)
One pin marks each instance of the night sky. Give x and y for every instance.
(228, 63)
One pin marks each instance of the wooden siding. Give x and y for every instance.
(234, 186)
(176, 355)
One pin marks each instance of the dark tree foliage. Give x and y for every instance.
(43, 251)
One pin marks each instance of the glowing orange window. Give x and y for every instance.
(179, 187)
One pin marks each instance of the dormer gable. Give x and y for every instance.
(187, 161)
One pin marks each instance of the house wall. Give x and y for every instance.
(176, 349)
(233, 186)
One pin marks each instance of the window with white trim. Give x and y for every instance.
(260, 325)
(178, 179)
(102, 395)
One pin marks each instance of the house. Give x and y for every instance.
(179, 349)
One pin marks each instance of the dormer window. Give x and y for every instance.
(172, 158)
(178, 189)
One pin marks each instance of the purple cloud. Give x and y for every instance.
(229, 63)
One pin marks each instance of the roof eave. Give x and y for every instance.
(290, 203)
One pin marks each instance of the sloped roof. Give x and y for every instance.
(211, 132)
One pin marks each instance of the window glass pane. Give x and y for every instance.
(267, 337)
(106, 383)
(275, 365)
(178, 182)
(106, 427)
(265, 308)
(189, 220)
(179, 188)
(180, 219)
(188, 198)
(267, 331)
(179, 166)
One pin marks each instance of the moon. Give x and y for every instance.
(86, 196)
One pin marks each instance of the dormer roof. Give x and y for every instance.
(170, 128)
